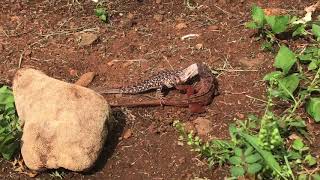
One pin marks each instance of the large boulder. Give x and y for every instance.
(64, 125)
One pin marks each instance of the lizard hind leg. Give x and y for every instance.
(160, 95)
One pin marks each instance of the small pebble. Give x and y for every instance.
(158, 17)
(181, 26)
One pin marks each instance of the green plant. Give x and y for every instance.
(102, 13)
(274, 28)
(10, 131)
(275, 145)
(216, 151)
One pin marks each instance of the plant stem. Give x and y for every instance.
(289, 168)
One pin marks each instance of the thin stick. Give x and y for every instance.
(237, 70)
(21, 58)
(166, 59)
(254, 98)
(130, 60)
(222, 9)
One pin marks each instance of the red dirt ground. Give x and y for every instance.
(143, 38)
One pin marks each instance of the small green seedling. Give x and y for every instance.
(102, 14)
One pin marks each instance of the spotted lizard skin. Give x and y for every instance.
(164, 79)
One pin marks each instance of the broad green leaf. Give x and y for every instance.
(267, 156)
(302, 177)
(316, 30)
(8, 150)
(289, 84)
(305, 57)
(272, 75)
(300, 31)
(238, 152)
(248, 151)
(251, 25)
(253, 158)
(285, 59)
(258, 16)
(254, 168)
(237, 171)
(294, 155)
(297, 123)
(235, 160)
(278, 24)
(298, 144)
(310, 160)
(316, 176)
(312, 66)
(313, 108)
(6, 96)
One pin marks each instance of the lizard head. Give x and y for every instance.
(189, 72)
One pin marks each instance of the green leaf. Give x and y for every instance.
(312, 66)
(248, 151)
(254, 168)
(251, 25)
(310, 160)
(235, 160)
(313, 108)
(297, 123)
(103, 18)
(232, 131)
(316, 176)
(237, 171)
(100, 11)
(289, 84)
(238, 152)
(285, 59)
(272, 75)
(300, 31)
(278, 23)
(258, 16)
(267, 45)
(298, 144)
(266, 155)
(305, 57)
(253, 158)
(302, 177)
(6, 96)
(316, 30)
(292, 155)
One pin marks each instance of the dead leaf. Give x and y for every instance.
(85, 79)
(294, 136)
(308, 16)
(21, 168)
